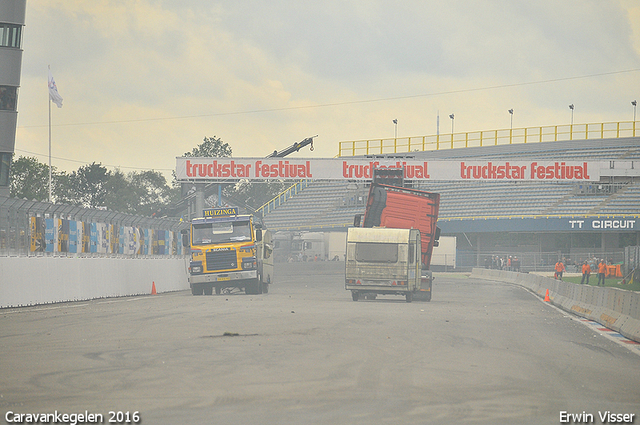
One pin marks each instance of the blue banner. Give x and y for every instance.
(50, 234)
(93, 238)
(73, 236)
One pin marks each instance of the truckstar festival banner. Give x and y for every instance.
(207, 169)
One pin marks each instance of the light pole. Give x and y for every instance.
(511, 126)
(395, 123)
(452, 117)
(571, 107)
(571, 127)
(635, 104)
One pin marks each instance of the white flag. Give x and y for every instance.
(53, 91)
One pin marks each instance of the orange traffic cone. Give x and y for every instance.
(153, 289)
(546, 297)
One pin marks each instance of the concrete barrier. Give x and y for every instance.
(41, 280)
(617, 309)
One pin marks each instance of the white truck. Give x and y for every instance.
(385, 261)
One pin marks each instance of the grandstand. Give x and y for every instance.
(469, 209)
(324, 204)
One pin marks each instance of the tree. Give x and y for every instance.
(30, 179)
(143, 193)
(139, 192)
(211, 147)
(254, 194)
(89, 185)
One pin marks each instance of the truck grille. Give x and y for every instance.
(221, 260)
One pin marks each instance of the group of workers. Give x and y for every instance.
(586, 271)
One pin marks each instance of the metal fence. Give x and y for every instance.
(30, 228)
(534, 261)
(632, 262)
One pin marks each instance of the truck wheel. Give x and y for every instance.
(208, 290)
(218, 290)
(409, 297)
(355, 295)
(197, 289)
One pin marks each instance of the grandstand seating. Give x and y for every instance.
(328, 204)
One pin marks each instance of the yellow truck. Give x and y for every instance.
(229, 251)
(385, 261)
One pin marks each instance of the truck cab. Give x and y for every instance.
(229, 250)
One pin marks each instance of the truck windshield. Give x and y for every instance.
(377, 252)
(212, 233)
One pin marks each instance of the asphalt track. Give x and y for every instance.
(480, 352)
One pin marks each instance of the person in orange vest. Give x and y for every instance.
(602, 269)
(586, 271)
(559, 269)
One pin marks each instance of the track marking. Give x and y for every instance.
(610, 334)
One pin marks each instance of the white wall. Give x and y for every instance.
(42, 280)
(336, 243)
(445, 253)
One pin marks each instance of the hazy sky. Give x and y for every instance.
(145, 81)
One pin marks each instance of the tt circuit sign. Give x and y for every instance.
(208, 169)
(541, 224)
(603, 224)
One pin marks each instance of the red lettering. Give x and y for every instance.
(586, 176)
(549, 174)
(569, 173)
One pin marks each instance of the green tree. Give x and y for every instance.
(30, 180)
(211, 147)
(254, 194)
(89, 185)
(143, 193)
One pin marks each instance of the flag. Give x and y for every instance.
(53, 91)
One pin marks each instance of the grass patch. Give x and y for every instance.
(608, 282)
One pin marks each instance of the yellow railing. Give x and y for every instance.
(554, 133)
(282, 197)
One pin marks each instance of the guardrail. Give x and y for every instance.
(554, 133)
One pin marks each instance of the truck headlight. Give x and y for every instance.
(249, 263)
(196, 267)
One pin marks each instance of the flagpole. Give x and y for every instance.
(49, 144)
